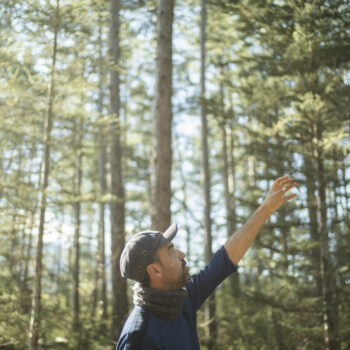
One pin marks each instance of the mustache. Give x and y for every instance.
(184, 265)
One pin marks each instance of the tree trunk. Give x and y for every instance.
(162, 152)
(12, 253)
(188, 216)
(101, 233)
(120, 305)
(76, 242)
(229, 183)
(329, 281)
(36, 305)
(315, 236)
(59, 273)
(210, 306)
(28, 248)
(30, 243)
(15, 254)
(277, 331)
(102, 189)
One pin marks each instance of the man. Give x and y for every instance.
(166, 298)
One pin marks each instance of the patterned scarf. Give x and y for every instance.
(163, 303)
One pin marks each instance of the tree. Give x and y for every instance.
(77, 223)
(101, 261)
(162, 135)
(210, 305)
(36, 306)
(120, 301)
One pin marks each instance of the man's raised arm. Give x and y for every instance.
(242, 239)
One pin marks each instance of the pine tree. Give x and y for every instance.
(162, 152)
(120, 305)
(36, 306)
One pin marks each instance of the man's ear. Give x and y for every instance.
(154, 271)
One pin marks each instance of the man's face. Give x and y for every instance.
(175, 273)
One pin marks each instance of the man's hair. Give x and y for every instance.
(146, 280)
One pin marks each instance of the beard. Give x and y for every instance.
(179, 281)
(184, 277)
(186, 273)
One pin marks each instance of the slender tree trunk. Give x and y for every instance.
(30, 242)
(235, 278)
(186, 209)
(120, 302)
(277, 328)
(102, 266)
(229, 183)
(14, 242)
(35, 320)
(313, 224)
(210, 304)
(282, 213)
(28, 249)
(101, 257)
(277, 333)
(94, 293)
(162, 152)
(22, 256)
(329, 281)
(76, 242)
(58, 275)
(226, 175)
(102, 189)
(14, 253)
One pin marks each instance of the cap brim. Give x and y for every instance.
(167, 236)
(170, 233)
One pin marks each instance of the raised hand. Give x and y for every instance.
(276, 195)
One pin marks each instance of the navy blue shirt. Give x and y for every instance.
(146, 331)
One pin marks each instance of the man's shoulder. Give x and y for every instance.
(134, 330)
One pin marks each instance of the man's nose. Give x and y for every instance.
(181, 254)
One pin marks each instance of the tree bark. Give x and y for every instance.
(28, 248)
(35, 320)
(315, 236)
(229, 182)
(102, 190)
(329, 281)
(76, 241)
(162, 152)
(119, 296)
(186, 209)
(210, 306)
(30, 242)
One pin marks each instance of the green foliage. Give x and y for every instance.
(278, 83)
(13, 319)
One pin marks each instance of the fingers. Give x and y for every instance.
(287, 188)
(291, 196)
(283, 179)
(286, 180)
(279, 179)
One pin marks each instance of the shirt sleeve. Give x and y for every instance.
(202, 284)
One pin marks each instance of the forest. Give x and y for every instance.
(121, 116)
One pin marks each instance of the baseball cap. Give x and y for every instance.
(139, 251)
